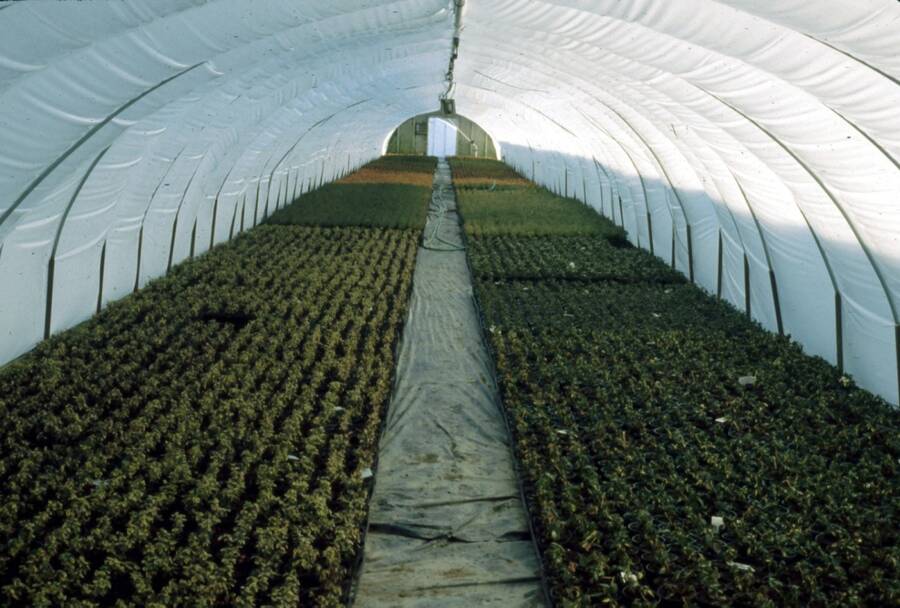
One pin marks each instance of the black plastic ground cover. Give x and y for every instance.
(545, 586)
(403, 508)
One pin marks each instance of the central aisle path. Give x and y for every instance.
(447, 526)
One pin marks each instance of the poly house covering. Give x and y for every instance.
(753, 144)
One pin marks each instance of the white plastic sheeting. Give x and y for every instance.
(136, 134)
(753, 144)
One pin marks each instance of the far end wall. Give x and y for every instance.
(412, 137)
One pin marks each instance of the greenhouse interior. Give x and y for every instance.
(450, 303)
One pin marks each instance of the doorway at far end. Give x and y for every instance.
(441, 137)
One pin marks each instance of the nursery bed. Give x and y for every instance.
(672, 450)
(590, 258)
(391, 192)
(207, 440)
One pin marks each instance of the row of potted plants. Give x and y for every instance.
(472, 173)
(798, 470)
(208, 440)
(572, 306)
(673, 452)
(391, 192)
(589, 258)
